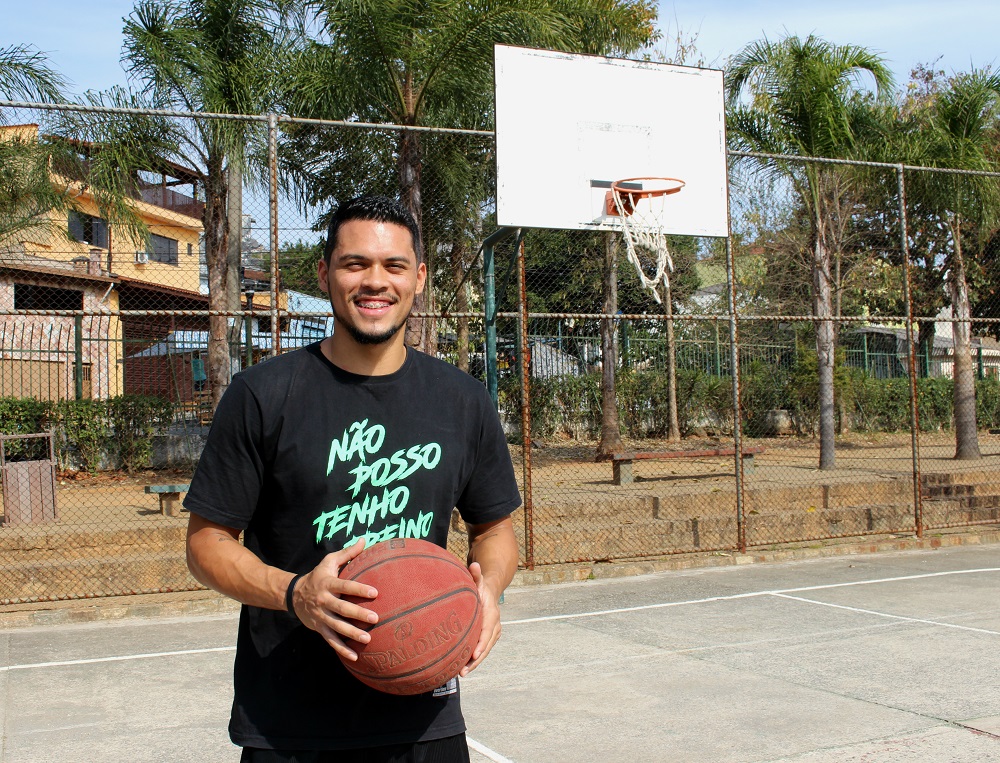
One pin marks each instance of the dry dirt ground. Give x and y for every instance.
(110, 536)
(565, 472)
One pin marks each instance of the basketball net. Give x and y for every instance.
(642, 218)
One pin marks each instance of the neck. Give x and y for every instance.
(365, 359)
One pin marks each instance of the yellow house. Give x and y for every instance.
(77, 262)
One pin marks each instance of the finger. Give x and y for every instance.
(477, 573)
(337, 643)
(487, 639)
(348, 610)
(345, 628)
(341, 587)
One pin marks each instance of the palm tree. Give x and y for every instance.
(430, 64)
(958, 130)
(26, 192)
(802, 97)
(26, 75)
(215, 56)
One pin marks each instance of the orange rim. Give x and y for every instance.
(647, 193)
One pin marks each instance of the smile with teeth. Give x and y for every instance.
(376, 304)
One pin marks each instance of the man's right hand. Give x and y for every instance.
(318, 602)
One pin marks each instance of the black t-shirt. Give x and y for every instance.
(306, 458)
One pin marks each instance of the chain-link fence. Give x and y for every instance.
(857, 336)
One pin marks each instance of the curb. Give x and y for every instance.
(820, 550)
(211, 604)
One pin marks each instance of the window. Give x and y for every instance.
(31, 297)
(313, 328)
(88, 229)
(162, 249)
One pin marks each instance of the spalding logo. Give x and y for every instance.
(439, 634)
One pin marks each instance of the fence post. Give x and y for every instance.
(911, 359)
(78, 356)
(717, 351)
(734, 365)
(275, 287)
(490, 309)
(525, 364)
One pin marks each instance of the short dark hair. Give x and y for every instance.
(380, 209)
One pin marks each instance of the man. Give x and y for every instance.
(290, 460)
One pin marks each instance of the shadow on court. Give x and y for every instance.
(881, 658)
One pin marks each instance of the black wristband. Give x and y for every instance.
(289, 592)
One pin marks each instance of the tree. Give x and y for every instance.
(26, 75)
(959, 132)
(216, 56)
(417, 64)
(803, 98)
(26, 191)
(297, 263)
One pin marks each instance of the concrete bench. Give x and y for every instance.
(170, 497)
(621, 463)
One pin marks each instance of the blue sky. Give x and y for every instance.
(83, 41)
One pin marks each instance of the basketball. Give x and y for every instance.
(429, 612)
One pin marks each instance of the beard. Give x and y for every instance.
(366, 337)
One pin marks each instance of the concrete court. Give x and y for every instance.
(891, 657)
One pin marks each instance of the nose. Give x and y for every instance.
(376, 278)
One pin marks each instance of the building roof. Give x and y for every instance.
(15, 258)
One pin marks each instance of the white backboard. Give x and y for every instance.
(567, 125)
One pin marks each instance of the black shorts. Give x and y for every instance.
(448, 750)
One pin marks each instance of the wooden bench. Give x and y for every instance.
(170, 497)
(621, 463)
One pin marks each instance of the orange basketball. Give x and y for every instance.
(429, 612)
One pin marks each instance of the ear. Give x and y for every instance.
(421, 276)
(323, 274)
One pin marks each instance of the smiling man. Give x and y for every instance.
(291, 462)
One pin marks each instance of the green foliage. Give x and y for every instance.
(134, 420)
(763, 388)
(572, 404)
(25, 416)
(297, 263)
(26, 76)
(802, 387)
(85, 427)
(89, 433)
(988, 403)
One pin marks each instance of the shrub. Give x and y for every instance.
(85, 431)
(90, 433)
(134, 420)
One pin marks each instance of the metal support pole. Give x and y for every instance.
(717, 358)
(911, 359)
(525, 365)
(734, 365)
(78, 355)
(272, 165)
(248, 330)
(490, 309)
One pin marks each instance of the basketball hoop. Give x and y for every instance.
(641, 204)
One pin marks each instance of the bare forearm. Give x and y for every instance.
(494, 547)
(218, 560)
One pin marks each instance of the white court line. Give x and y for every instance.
(122, 658)
(549, 618)
(484, 750)
(886, 614)
(735, 596)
